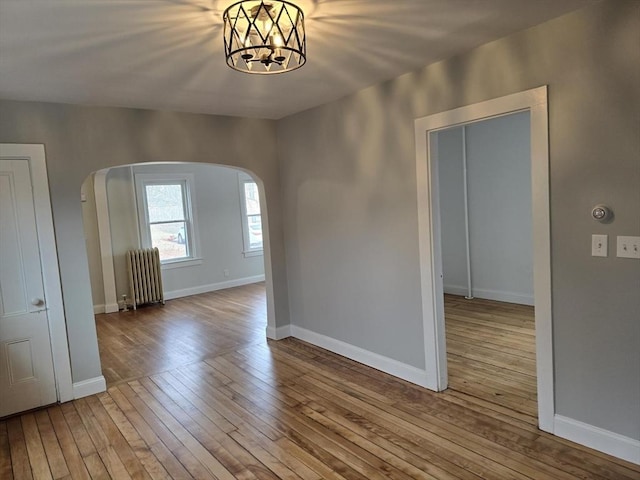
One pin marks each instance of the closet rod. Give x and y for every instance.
(469, 294)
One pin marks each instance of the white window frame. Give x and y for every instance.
(247, 251)
(192, 240)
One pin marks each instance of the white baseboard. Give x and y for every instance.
(102, 308)
(89, 387)
(500, 296)
(597, 438)
(212, 287)
(388, 365)
(278, 333)
(111, 308)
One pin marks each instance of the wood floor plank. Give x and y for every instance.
(207, 432)
(196, 392)
(5, 453)
(199, 452)
(160, 440)
(74, 461)
(35, 449)
(117, 441)
(55, 458)
(96, 467)
(429, 466)
(19, 456)
(322, 449)
(101, 440)
(133, 440)
(208, 395)
(80, 435)
(250, 443)
(491, 352)
(306, 399)
(203, 414)
(148, 423)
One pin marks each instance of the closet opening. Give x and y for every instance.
(484, 199)
(530, 105)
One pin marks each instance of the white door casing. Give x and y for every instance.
(534, 101)
(30, 283)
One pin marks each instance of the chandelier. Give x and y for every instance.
(264, 37)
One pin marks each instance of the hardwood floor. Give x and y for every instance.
(491, 353)
(254, 409)
(156, 339)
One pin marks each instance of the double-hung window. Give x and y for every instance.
(251, 216)
(166, 216)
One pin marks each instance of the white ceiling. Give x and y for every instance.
(168, 54)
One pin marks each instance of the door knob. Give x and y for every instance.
(37, 301)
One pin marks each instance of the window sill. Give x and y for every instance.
(253, 253)
(186, 262)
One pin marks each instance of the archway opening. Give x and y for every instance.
(210, 224)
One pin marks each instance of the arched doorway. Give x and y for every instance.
(212, 247)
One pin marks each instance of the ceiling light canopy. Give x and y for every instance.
(264, 37)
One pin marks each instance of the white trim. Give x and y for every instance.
(109, 308)
(534, 101)
(500, 296)
(244, 178)
(467, 235)
(89, 387)
(594, 437)
(385, 364)
(104, 238)
(35, 154)
(266, 246)
(253, 253)
(212, 287)
(278, 333)
(183, 262)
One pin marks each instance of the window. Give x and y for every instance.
(166, 219)
(251, 217)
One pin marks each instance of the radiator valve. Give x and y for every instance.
(125, 307)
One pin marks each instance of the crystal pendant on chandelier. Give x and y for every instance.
(264, 37)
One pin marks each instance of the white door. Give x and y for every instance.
(26, 365)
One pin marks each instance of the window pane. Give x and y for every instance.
(170, 238)
(254, 222)
(164, 202)
(252, 198)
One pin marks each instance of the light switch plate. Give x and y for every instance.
(599, 245)
(628, 247)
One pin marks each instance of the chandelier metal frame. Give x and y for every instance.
(264, 37)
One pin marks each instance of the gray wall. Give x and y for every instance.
(448, 152)
(216, 200)
(81, 140)
(123, 223)
(92, 241)
(499, 199)
(350, 207)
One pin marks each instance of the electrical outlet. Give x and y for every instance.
(599, 245)
(628, 247)
(226, 272)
